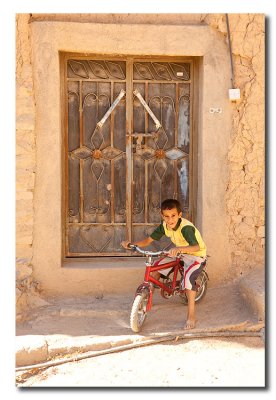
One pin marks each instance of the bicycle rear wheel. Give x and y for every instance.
(201, 290)
(138, 312)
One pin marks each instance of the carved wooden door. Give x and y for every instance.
(128, 147)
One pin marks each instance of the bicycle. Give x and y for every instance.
(169, 287)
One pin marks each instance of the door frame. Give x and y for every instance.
(194, 102)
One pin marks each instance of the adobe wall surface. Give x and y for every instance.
(231, 144)
(245, 192)
(25, 161)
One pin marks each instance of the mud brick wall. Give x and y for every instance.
(245, 194)
(25, 161)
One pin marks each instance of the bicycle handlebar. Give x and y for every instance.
(146, 252)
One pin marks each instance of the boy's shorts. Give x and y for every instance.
(193, 265)
(164, 271)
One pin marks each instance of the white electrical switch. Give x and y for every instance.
(234, 94)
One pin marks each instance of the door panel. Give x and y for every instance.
(96, 158)
(161, 161)
(98, 155)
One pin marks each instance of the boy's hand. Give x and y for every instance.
(174, 252)
(125, 244)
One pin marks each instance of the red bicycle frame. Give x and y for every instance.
(176, 264)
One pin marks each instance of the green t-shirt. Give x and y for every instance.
(188, 233)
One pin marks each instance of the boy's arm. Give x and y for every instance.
(141, 243)
(183, 249)
(188, 233)
(156, 235)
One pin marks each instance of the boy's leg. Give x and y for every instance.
(191, 321)
(156, 275)
(192, 268)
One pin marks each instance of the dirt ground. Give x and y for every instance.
(234, 362)
(79, 324)
(109, 315)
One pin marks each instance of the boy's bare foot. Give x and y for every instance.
(190, 324)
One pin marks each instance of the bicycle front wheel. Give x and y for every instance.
(139, 311)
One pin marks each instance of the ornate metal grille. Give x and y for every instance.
(104, 141)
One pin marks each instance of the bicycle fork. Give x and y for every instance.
(146, 286)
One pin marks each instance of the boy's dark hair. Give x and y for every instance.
(169, 204)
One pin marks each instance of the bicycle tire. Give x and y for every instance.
(201, 291)
(138, 311)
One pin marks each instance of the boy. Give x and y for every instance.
(188, 241)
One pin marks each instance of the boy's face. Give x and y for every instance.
(171, 217)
